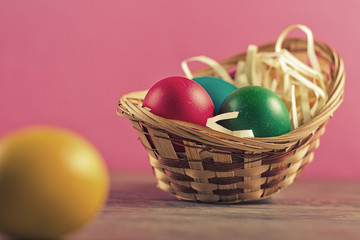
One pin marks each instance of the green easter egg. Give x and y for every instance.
(260, 110)
(217, 89)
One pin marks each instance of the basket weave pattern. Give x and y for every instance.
(217, 167)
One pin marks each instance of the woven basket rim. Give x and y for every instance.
(128, 108)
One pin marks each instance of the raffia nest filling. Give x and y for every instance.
(222, 167)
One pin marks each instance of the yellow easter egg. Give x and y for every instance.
(52, 181)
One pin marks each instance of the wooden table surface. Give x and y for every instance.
(308, 209)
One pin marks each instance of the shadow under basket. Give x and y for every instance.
(197, 163)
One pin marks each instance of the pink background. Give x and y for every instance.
(67, 63)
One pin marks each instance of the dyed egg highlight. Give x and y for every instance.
(217, 89)
(260, 110)
(180, 98)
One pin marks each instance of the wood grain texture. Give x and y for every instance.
(308, 209)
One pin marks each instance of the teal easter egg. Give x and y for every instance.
(260, 110)
(217, 88)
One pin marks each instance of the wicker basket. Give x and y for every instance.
(221, 168)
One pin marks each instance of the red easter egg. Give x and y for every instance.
(180, 98)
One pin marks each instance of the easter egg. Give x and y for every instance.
(180, 98)
(217, 88)
(260, 110)
(52, 181)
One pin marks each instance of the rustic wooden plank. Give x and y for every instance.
(308, 209)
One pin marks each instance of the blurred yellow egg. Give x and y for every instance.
(52, 182)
